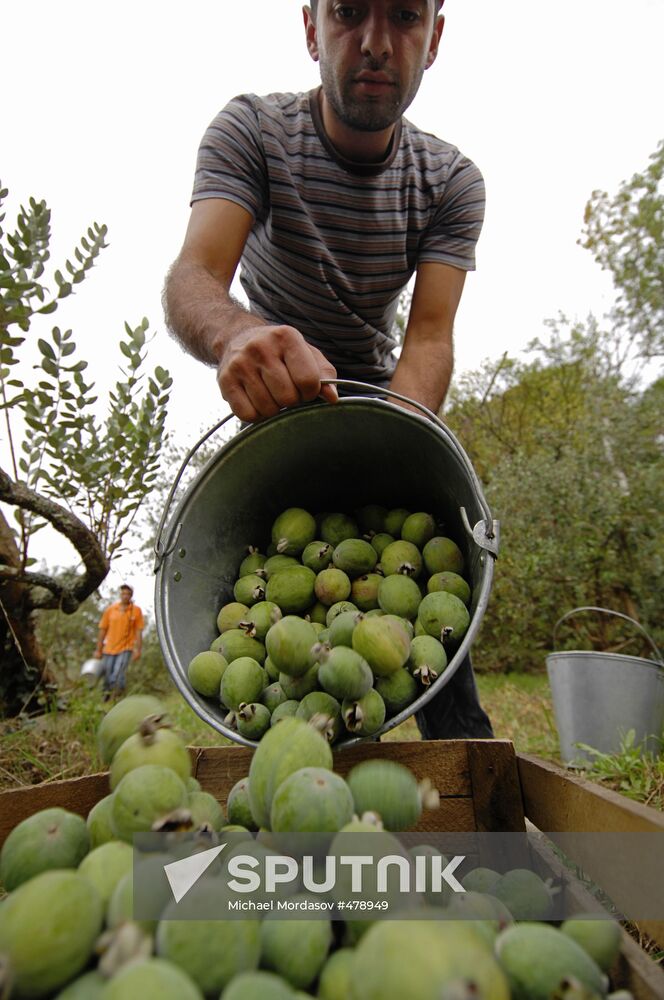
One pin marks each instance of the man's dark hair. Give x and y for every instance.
(125, 586)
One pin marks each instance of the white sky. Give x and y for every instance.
(104, 105)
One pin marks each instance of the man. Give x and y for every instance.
(120, 639)
(331, 200)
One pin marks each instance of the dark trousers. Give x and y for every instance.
(455, 713)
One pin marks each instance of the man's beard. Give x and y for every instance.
(366, 115)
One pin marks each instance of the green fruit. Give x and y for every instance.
(317, 614)
(601, 939)
(524, 893)
(123, 720)
(292, 589)
(292, 531)
(296, 949)
(237, 805)
(151, 746)
(381, 541)
(397, 690)
(144, 796)
(289, 644)
(205, 672)
(258, 986)
(105, 866)
(211, 951)
(342, 628)
(332, 585)
(364, 591)
(444, 616)
(537, 957)
(323, 712)
(295, 688)
(260, 619)
(317, 556)
(355, 557)
(231, 615)
(338, 609)
(86, 987)
(483, 909)
(383, 642)
(272, 696)
(151, 979)
(50, 838)
(253, 719)
(252, 563)
(336, 528)
(99, 823)
(442, 555)
(388, 789)
(205, 811)
(334, 982)
(243, 681)
(311, 800)
(284, 748)
(236, 643)
(364, 716)
(427, 659)
(452, 583)
(284, 711)
(249, 589)
(394, 520)
(399, 595)
(344, 674)
(401, 557)
(480, 880)
(417, 959)
(48, 929)
(278, 562)
(271, 670)
(418, 528)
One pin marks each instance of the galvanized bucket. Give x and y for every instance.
(599, 697)
(322, 457)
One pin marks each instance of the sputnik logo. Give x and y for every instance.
(183, 875)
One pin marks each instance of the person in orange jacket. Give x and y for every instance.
(120, 638)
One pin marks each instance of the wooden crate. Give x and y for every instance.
(484, 786)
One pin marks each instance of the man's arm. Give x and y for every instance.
(425, 367)
(100, 642)
(260, 367)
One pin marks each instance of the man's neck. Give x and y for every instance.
(351, 144)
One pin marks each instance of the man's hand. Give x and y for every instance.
(265, 368)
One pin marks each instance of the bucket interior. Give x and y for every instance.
(323, 458)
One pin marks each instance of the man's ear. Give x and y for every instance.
(310, 33)
(435, 41)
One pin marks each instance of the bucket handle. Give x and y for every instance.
(617, 614)
(484, 533)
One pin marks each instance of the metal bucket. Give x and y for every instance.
(599, 697)
(322, 457)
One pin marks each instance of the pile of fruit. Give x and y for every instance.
(343, 620)
(67, 923)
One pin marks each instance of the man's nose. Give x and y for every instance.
(376, 37)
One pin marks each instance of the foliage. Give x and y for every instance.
(636, 774)
(625, 234)
(85, 476)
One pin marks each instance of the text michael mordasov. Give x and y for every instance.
(280, 904)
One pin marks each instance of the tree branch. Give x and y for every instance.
(47, 592)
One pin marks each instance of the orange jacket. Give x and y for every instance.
(122, 623)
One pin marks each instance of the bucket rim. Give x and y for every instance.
(590, 653)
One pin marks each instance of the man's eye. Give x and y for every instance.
(345, 12)
(407, 16)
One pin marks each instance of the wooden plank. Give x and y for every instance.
(557, 801)
(77, 795)
(554, 799)
(495, 786)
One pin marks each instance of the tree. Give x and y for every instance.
(85, 477)
(625, 234)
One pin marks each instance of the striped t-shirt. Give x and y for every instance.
(334, 242)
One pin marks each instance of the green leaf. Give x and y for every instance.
(46, 349)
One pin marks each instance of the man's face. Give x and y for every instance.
(125, 595)
(372, 56)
